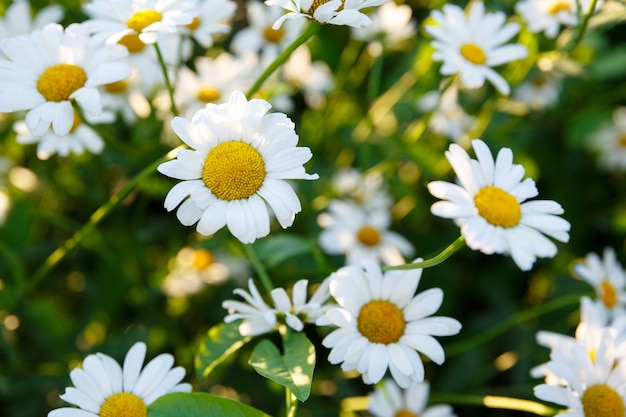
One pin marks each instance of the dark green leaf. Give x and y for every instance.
(198, 404)
(294, 370)
(222, 340)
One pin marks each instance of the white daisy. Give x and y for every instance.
(335, 12)
(361, 234)
(259, 37)
(241, 159)
(587, 385)
(18, 19)
(448, 118)
(609, 142)
(366, 189)
(313, 78)
(539, 93)
(259, 318)
(470, 45)
(383, 325)
(49, 68)
(489, 206)
(549, 15)
(389, 400)
(391, 25)
(214, 18)
(607, 277)
(114, 20)
(103, 388)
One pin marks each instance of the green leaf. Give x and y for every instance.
(222, 340)
(294, 370)
(276, 250)
(197, 404)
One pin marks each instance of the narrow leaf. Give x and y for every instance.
(197, 404)
(294, 370)
(221, 341)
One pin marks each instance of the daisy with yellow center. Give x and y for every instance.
(334, 12)
(70, 67)
(137, 21)
(607, 277)
(383, 325)
(361, 233)
(608, 142)
(389, 400)
(240, 160)
(489, 206)
(548, 16)
(471, 44)
(104, 389)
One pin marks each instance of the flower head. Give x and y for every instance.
(18, 19)
(383, 325)
(489, 206)
(240, 160)
(609, 142)
(389, 400)
(103, 388)
(548, 16)
(48, 69)
(470, 45)
(391, 25)
(540, 92)
(334, 12)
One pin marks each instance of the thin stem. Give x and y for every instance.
(582, 28)
(435, 260)
(308, 32)
(259, 268)
(166, 77)
(483, 336)
(291, 403)
(493, 401)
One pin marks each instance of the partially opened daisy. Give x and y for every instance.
(335, 12)
(389, 400)
(48, 69)
(471, 44)
(382, 324)
(102, 388)
(240, 160)
(490, 206)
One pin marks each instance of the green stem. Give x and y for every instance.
(166, 77)
(435, 260)
(582, 27)
(291, 403)
(493, 401)
(259, 268)
(308, 32)
(480, 337)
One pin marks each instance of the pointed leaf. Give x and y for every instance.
(222, 340)
(294, 370)
(197, 404)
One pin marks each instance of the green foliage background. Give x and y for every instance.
(106, 295)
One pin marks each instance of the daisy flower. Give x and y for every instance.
(548, 16)
(489, 206)
(607, 277)
(313, 78)
(361, 234)
(132, 21)
(609, 142)
(470, 45)
(448, 118)
(334, 12)
(18, 19)
(214, 18)
(389, 400)
(49, 68)
(258, 317)
(391, 25)
(240, 160)
(383, 325)
(103, 388)
(539, 93)
(587, 385)
(365, 189)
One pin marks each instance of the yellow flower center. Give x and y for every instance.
(123, 404)
(194, 24)
(497, 206)
(208, 94)
(473, 53)
(368, 236)
(318, 3)
(274, 35)
(132, 42)
(233, 170)
(381, 321)
(602, 401)
(116, 87)
(202, 258)
(59, 82)
(558, 7)
(405, 413)
(143, 18)
(609, 294)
